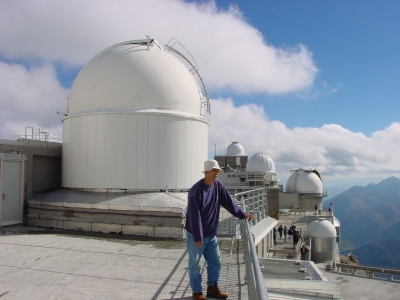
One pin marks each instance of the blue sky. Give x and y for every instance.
(312, 83)
(355, 45)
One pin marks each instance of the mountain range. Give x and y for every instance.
(370, 222)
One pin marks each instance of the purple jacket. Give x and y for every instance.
(202, 215)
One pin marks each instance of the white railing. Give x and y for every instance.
(254, 202)
(36, 133)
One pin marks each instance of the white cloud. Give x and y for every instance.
(232, 54)
(30, 96)
(335, 151)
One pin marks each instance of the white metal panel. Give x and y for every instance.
(66, 154)
(142, 149)
(152, 150)
(110, 146)
(163, 151)
(71, 160)
(120, 151)
(131, 151)
(202, 146)
(198, 153)
(91, 152)
(173, 161)
(100, 153)
(190, 149)
(73, 151)
(181, 174)
(82, 153)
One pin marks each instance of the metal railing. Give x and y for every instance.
(253, 202)
(254, 278)
(370, 270)
(36, 133)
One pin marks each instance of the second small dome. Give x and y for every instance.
(235, 149)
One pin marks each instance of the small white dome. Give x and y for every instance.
(260, 162)
(307, 182)
(320, 228)
(132, 76)
(235, 149)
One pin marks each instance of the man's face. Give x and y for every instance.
(211, 175)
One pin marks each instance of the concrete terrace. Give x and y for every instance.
(36, 263)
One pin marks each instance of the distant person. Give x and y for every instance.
(280, 230)
(316, 208)
(291, 232)
(330, 207)
(296, 237)
(303, 252)
(274, 235)
(202, 217)
(285, 232)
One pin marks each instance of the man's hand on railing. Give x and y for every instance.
(249, 217)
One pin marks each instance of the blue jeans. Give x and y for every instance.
(210, 250)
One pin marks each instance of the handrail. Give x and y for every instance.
(255, 280)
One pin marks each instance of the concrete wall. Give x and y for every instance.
(100, 218)
(273, 202)
(43, 164)
(309, 203)
(224, 160)
(46, 173)
(286, 200)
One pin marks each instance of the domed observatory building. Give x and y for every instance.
(260, 170)
(304, 190)
(135, 121)
(321, 235)
(241, 172)
(234, 160)
(135, 139)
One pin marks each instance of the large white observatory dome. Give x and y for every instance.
(260, 162)
(304, 181)
(235, 149)
(135, 120)
(132, 76)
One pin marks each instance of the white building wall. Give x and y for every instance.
(145, 151)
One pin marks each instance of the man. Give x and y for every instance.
(280, 230)
(202, 218)
(303, 252)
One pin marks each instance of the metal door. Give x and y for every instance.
(11, 192)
